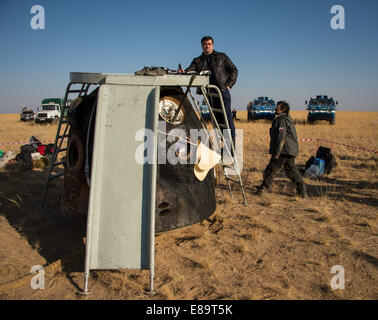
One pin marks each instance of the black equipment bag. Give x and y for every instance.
(330, 161)
(24, 160)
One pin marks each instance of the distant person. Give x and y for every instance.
(283, 148)
(223, 75)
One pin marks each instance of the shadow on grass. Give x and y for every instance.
(367, 257)
(336, 189)
(45, 229)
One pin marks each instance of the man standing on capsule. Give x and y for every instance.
(223, 74)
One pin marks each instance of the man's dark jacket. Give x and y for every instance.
(283, 136)
(224, 70)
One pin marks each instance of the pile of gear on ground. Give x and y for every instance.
(34, 154)
(323, 163)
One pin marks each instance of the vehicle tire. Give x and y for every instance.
(332, 122)
(75, 155)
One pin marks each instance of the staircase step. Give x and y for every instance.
(58, 163)
(56, 176)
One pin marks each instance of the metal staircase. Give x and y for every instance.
(62, 132)
(210, 92)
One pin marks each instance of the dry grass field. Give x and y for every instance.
(279, 246)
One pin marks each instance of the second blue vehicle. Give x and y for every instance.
(321, 108)
(261, 108)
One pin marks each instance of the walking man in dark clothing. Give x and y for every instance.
(223, 75)
(283, 148)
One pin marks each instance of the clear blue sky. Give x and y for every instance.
(283, 49)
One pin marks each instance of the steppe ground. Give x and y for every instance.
(279, 246)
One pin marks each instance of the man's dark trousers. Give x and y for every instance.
(226, 95)
(290, 169)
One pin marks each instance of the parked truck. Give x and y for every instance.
(321, 108)
(50, 110)
(261, 108)
(27, 114)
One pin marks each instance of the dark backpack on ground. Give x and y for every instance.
(330, 161)
(28, 148)
(24, 160)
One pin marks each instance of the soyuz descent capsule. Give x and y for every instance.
(181, 199)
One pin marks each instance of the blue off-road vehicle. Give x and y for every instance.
(321, 108)
(261, 108)
(204, 109)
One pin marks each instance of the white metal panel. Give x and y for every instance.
(128, 79)
(122, 195)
